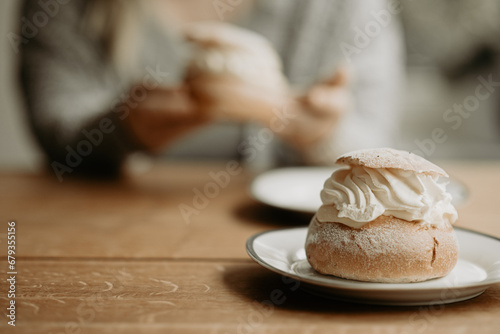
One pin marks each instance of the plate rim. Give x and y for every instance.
(393, 286)
(256, 179)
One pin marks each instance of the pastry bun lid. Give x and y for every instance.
(219, 34)
(390, 158)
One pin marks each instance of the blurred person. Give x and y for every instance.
(454, 46)
(83, 70)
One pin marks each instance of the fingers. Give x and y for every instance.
(340, 78)
(169, 103)
(231, 99)
(163, 115)
(327, 101)
(330, 98)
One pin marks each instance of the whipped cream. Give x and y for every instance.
(260, 70)
(357, 195)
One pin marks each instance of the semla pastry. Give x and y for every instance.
(386, 217)
(235, 72)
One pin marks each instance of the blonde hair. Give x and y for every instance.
(115, 24)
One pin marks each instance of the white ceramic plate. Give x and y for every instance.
(478, 267)
(298, 188)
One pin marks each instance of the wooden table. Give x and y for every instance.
(118, 257)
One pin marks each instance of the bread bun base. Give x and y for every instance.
(388, 250)
(231, 98)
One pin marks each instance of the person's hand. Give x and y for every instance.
(318, 111)
(163, 116)
(231, 98)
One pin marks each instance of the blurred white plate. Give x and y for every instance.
(478, 267)
(298, 188)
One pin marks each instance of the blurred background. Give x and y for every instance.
(450, 44)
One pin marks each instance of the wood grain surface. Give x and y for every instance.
(118, 257)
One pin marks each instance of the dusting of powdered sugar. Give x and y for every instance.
(389, 249)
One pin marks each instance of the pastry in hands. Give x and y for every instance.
(235, 72)
(386, 217)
